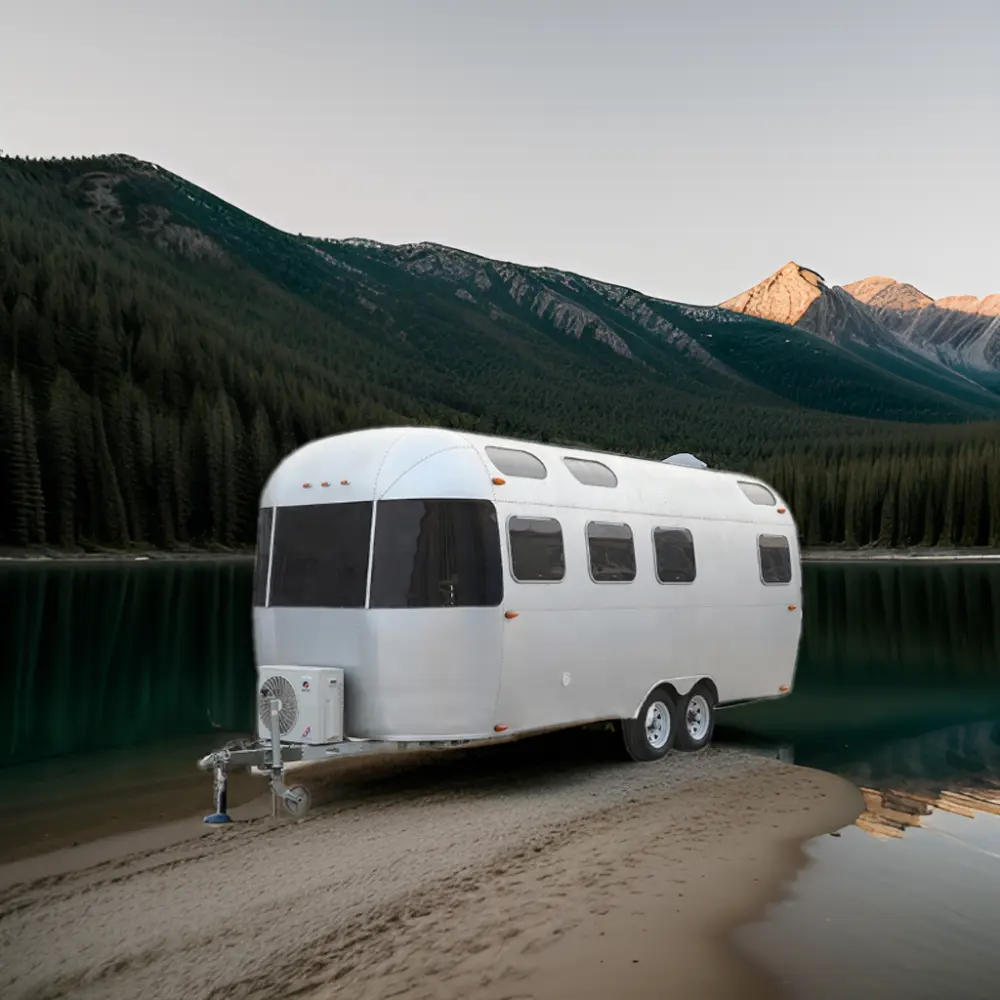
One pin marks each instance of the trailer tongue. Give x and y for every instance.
(270, 755)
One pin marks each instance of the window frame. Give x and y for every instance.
(262, 582)
(590, 561)
(510, 548)
(517, 451)
(656, 561)
(760, 562)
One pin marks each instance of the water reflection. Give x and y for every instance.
(902, 903)
(891, 812)
(898, 691)
(101, 655)
(908, 918)
(104, 655)
(887, 651)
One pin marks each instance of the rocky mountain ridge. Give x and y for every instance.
(958, 332)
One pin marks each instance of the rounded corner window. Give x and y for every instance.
(673, 549)
(758, 494)
(591, 473)
(611, 549)
(775, 557)
(517, 463)
(537, 552)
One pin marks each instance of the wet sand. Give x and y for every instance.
(70, 801)
(492, 874)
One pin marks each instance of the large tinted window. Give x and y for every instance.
(436, 554)
(674, 555)
(612, 552)
(263, 560)
(536, 549)
(320, 555)
(775, 559)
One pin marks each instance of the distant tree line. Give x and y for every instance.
(894, 493)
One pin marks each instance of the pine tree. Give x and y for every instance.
(59, 461)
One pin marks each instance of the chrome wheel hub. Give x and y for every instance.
(698, 716)
(657, 725)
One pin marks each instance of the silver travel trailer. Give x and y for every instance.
(421, 587)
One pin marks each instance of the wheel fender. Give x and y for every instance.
(680, 686)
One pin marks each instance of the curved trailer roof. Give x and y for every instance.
(422, 462)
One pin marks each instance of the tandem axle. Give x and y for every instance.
(270, 756)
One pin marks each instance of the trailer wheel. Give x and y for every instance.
(696, 719)
(650, 735)
(298, 801)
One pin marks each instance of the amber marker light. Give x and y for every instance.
(324, 484)
(500, 727)
(782, 510)
(497, 481)
(793, 607)
(511, 614)
(345, 482)
(783, 689)
(307, 486)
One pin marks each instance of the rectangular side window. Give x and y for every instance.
(320, 555)
(674, 549)
(262, 560)
(536, 549)
(436, 554)
(775, 559)
(612, 552)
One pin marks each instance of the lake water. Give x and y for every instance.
(112, 655)
(904, 903)
(897, 689)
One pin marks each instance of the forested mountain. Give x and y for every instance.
(160, 350)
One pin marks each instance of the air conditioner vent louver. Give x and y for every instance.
(278, 687)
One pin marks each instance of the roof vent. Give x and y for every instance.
(687, 460)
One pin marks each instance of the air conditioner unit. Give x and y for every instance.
(312, 703)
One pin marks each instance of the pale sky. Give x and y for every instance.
(683, 149)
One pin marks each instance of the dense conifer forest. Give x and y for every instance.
(161, 350)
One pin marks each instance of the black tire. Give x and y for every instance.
(695, 719)
(643, 738)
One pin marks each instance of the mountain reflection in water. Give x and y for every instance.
(902, 903)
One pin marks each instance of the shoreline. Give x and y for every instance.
(153, 555)
(554, 879)
(901, 555)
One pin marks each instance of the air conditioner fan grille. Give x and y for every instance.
(278, 687)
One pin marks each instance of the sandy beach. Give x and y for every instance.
(497, 874)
